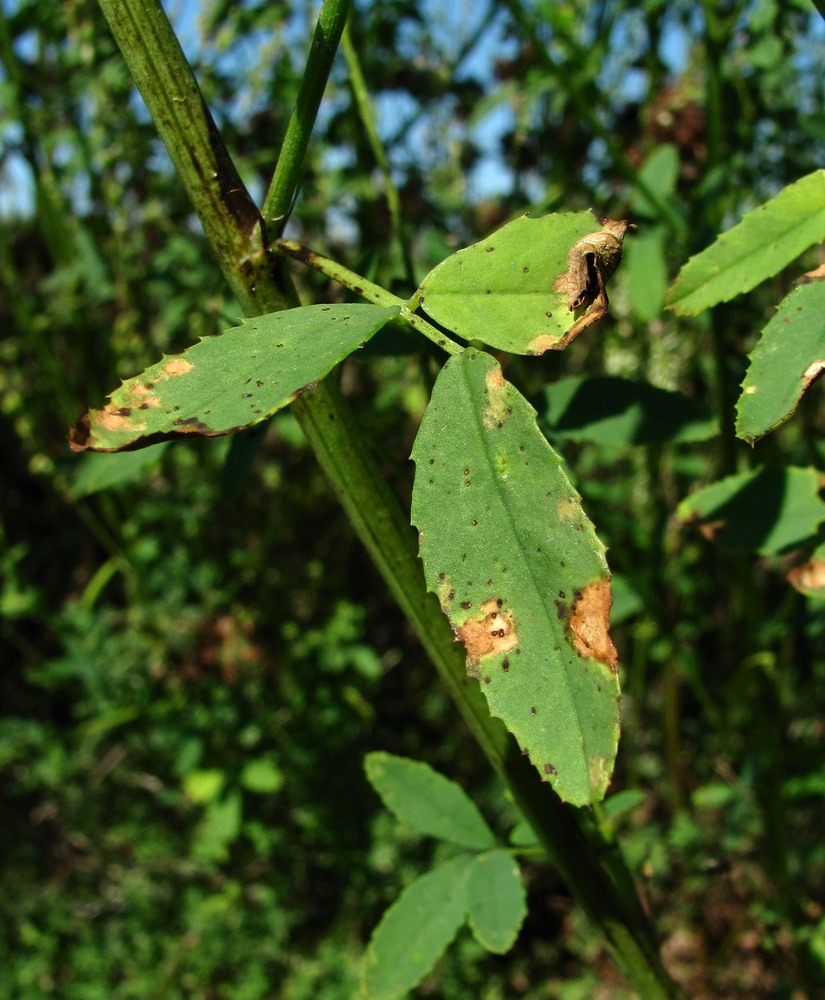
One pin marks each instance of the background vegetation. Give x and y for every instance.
(197, 658)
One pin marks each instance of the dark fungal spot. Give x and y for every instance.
(149, 386)
(246, 395)
(490, 249)
(525, 270)
(549, 769)
(532, 710)
(473, 522)
(562, 611)
(124, 411)
(487, 680)
(451, 595)
(143, 406)
(505, 664)
(258, 382)
(466, 605)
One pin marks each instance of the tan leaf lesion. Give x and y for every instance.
(488, 634)
(589, 624)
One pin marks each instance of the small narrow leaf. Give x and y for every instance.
(416, 930)
(501, 291)
(496, 901)
(427, 801)
(659, 172)
(766, 240)
(231, 381)
(769, 511)
(519, 572)
(788, 358)
(645, 273)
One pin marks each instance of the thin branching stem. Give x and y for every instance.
(285, 182)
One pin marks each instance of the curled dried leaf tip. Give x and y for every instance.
(591, 263)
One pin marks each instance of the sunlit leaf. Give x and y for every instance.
(788, 358)
(766, 240)
(235, 380)
(500, 291)
(427, 801)
(519, 572)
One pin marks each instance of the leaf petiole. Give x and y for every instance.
(367, 290)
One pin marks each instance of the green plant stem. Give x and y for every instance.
(594, 876)
(364, 105)
(285, 181)
(366, 289)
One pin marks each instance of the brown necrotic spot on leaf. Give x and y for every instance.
(589, 624)
(177, 366)
(114, 418)
(493, 632)
(810, 576)
(495, 407)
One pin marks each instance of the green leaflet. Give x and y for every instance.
(765, 241)
(427, 801)
(519, 572)
(788, 357)
(225, 383)
(495, 901)
(500, 291)
(769, 511)
(415, 931)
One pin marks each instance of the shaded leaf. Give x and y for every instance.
(501, 291)
(790, 355)
(496, 901)
(766, 240)
(427, 801)
(94, 473)
(416, 930)
(768, 511)
(519, 572)
(610, 410)
(232, 381)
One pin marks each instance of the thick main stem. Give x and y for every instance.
(234, 229)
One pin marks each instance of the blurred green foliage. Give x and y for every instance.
(196, 660)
